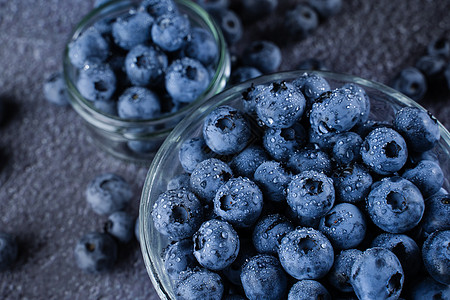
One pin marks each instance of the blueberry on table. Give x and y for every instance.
(427, 175)
(230, 24)
(436, 255)
(9, 250)
(308, 289)
(437, 213)
(108, 193)
(428, 288)
(120, 225)
(263, 55)
(157, 8)
(88, 48)
(133, 29)
(199, 284)
(273, 180)
(97, 82)
(339, 275)
(248, 160)
(395, 204)
(377, 274)
(439, 47)
(430, 66)
(192, 152)
(263, 277)
(54, 89)
(352, 183)
(269, 231)
(95, 252)
(138, 103)
(216, 244)
(411, 82)
(281, 143)
(301, 21)
(170, 31)
(201, 46)
(244, 73)
(179, 257)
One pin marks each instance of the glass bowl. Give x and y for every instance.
(117, 135)
(384, 103)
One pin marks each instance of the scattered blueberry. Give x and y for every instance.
(436, 255)
(430, 66)
(55, 89)
(411, 82)
(308, 289)
(120, 225)
(439, 47)
(95, 252)
(301, 21)
(231, 25)
(9, 250)
(263, 55)
(326, 8)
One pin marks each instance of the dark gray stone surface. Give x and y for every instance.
(47, 159)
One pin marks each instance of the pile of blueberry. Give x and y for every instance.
(300, 195)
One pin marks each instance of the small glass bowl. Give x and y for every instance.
(115, 134)
(384, 103)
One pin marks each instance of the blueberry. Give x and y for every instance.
(430, 66)
(440, 47)
(251, 96)
(208, 176)
(179, 257)
(346, 148)
(281, 143)
(96, 82)
(54, 89)
(308, 289)
(9, 250)
(363, 99)
(301, 21)
(326, 8)
(273, 180)
(306, 253)
(311, 63)
(199, 284)
(404, 247)
(339, 275)
(145, 65)
(411, 82)
(263, 278)
(95, 252)
(106, 107)
(239, 201)
(395, 204)
(428, 288)
(437, 213)
(310, 160)
(312, 86)
(436, 255)
(216, 244)
(133, 29)
(120, 225)
(269, 231)
(230, 24)
(170, 31)
(186, 79)
(177, 214)
(377, 274)
(192, 152)
(179, 181)
(201, 46)
(384, 151)
(256, 9)
(263, 55)
(138, 103)
(281, 106)
(244, 73)
(226, 130)
(419, 128)
(352, 183)
(311, 194)
(88, 48)
(108, 193)
(248, 160)
(427, 175)
(157, 8)
(344, 225)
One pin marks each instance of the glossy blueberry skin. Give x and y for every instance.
(306, 253)
(311, 194)
(177, 214)
(276, 113)
(395, 204)
(344, 225)
(312, 86)
(239, 201)
(427, 175)
(138, 103)
(309, 160)
(120, 225)
(170, 31)
(436, 255)
(179, 181)
(419, 128)
(186, 79)
(192, 152)
(273, 180)
(9, 250)
(95, 252)
(208, 176)
(336, 111)
(145, 65)
(439, 46)
(384, 151)
(230, 24)
(326, 8)
(248, 160)
(377, 274)
(263, 277)
(362, 98)
(339, 275)
(263, 55)
(157, 8)
(244, 73)
(411, 82)
(54, 89)
(437, 213)
(88, 48)
(226, 130)
(108, 193)
(216, 244)
(308, 289)
(179, 257)
(301, 21)
(97, 82)
(282, 143)
(199, 284)
(269, 231)
(428, 288)
(133, 29)
(201, 46)
(404, 247)
(352, 183)
(346, 148)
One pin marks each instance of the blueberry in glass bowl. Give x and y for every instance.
(349, 104)
(134, 69)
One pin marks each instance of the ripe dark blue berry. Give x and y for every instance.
(308, 289)
(263, 55)
(120, 225)
(411, 82)
(95, 252)
(436, 255)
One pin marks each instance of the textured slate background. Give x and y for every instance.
(46, 158)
